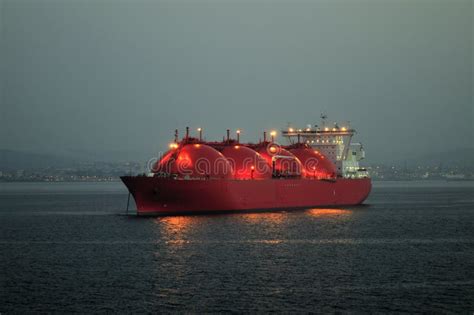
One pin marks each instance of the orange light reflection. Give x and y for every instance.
(174, 229)
(276, 217)
(329, 212)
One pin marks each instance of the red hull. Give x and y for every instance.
(154, 195)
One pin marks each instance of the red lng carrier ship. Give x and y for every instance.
(319, 167)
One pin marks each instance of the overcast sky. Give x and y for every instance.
(122, 75)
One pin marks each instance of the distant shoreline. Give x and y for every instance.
(62, 181)
(115, 180)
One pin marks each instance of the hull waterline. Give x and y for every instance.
(165, 196)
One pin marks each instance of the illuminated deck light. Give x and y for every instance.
(200, 133)
(273, 134)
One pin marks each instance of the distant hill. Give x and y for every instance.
(11, 160)
(101, 156)
(453, 158)
(459, 157)
(14, 160)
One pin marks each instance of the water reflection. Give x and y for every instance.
(177, 224)
(329, 212)
(175, 229)
(266, 217)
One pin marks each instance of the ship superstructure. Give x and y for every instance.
(334, 141)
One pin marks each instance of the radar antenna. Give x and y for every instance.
(323, 119)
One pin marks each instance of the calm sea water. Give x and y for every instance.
(67, 247)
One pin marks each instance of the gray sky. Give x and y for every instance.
(122, 75)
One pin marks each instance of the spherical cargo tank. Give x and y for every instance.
(315, 164)
(246, 163)
(194, 161)
(286, 163)
(163, 165)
